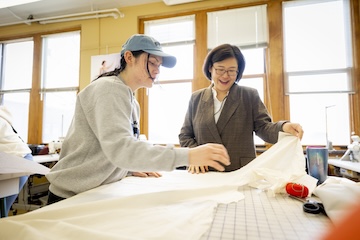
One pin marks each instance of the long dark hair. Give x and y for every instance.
(118, 70)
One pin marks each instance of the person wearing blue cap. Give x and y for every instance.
(229, 114)
(102, 144)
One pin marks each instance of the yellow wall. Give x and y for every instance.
(106, 35)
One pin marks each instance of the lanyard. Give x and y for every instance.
(136, 129)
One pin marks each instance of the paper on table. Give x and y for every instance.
(10, 164)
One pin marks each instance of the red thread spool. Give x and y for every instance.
(297, 190)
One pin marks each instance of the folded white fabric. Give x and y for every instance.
(160, 208)
(338, 196)
(284, 162)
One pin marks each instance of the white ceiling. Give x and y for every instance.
(51, 8)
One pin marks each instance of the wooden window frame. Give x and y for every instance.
(35, 123)
(275, 99)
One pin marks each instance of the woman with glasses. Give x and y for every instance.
(102, 145)
(229, 114)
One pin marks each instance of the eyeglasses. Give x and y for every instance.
(230, 72)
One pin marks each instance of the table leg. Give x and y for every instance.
(2, 207)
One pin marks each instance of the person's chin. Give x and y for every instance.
(149, 84)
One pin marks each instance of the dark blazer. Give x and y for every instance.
(243, 114)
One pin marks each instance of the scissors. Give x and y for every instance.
(310, 206)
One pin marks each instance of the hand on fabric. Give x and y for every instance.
(146, 174)
(198, 169)
(210, 154)
(293, 128)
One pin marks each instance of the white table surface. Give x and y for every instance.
(353, 166)
(46, 158)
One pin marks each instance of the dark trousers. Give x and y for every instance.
(52, 198)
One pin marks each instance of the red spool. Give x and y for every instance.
(297, 190)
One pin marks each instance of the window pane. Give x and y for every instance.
(18, 64)
(18, 105)
(168, 101)
(315, 36)
(254, 64)
(167, 108)
(170, 30)
(251, 26)
(61, 57)
(254, 61)
(256, 83)
(310, 111)
(317, 61)
(319, 83)
(184, 68)
(59, 109)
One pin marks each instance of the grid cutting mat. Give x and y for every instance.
(260, 216)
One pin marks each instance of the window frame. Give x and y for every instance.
(174, 122)
(290, 75)
(275, 98)
(36, 104)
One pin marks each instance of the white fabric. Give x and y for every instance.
(282, 163)
(10, 164)
(338, 196)
(178, 205)
(9, 141)
(164, 215)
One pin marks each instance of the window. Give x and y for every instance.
(252, 39)
(318, 68)
(16, 81)
(173, 88)
(254, 75)
(60, 81)
(53, 91)
(251, 27)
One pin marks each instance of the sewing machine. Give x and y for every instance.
(55, 146)
(353, 151)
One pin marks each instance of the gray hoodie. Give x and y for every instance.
(100, 146)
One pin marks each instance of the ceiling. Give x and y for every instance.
(51, 8)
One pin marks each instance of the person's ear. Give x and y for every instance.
(210, 67)
(128, 56)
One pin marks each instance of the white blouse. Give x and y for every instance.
(218, 105)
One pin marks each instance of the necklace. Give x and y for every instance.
(221, 106)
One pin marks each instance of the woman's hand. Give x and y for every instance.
(198, 169)
(294, 129)
(146, 174)
(210, 154)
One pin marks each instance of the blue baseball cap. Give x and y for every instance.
(150, 45)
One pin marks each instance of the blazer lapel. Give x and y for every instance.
(231, 104)
(208, 113)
